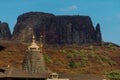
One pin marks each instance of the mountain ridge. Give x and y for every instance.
(57, 29)
(5, 33)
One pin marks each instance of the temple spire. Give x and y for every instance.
(33, 45)
(34, 59)
(41, 43)
(33, 38)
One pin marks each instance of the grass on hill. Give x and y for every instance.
(66, 59)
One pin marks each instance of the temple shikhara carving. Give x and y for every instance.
(33, 58)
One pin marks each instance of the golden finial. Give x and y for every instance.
(41, 41)
(33, 38)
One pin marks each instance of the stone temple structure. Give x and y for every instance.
(33, 58)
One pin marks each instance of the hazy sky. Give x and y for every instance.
(105, 12)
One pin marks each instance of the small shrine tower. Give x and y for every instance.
(33, 58)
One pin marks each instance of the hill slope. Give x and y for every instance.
(66, 59)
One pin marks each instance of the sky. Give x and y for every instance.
(104, 12)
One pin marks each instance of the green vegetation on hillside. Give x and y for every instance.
(84, 58)
(67, 59)
(114, 75)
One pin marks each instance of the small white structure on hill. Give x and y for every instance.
(54, 76)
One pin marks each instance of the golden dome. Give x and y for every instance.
(33, 46)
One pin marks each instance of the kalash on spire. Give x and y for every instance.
(33, 58)
(33, 45)
(41, 43)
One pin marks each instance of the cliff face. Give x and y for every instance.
(56, 29)
(26, 25)
(5, 33)
(98, 33)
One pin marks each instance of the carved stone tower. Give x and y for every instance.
(33, 58)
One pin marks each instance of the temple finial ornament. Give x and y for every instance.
(41, 42)
(33, 45)
(33, 38)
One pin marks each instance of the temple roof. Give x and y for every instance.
(13, 72)
(33, 44)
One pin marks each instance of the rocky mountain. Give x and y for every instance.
(5, 33)
(74, 29)
(26, 25)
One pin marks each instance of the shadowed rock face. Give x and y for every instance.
(5, 33)
(57, 29)
(98, 33)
